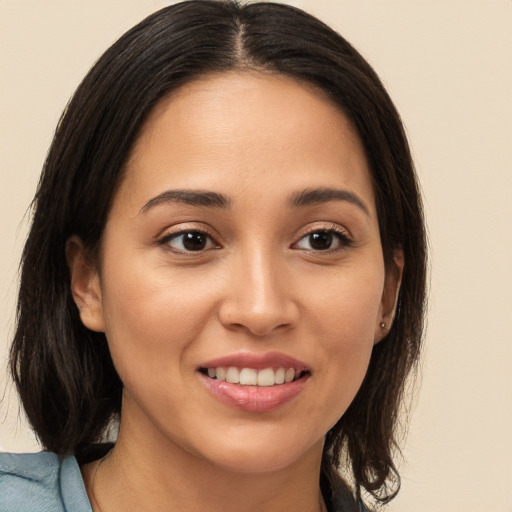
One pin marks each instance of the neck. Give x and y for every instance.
(150, 472)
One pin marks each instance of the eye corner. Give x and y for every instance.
(324, 240)
(188, 241)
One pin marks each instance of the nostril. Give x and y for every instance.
(259, 316)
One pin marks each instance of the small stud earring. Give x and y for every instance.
(382, 325)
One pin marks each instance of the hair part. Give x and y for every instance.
(64, 373)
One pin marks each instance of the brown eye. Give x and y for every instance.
(323, 240)
(320, 241)
(189, 241)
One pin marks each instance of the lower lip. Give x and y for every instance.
(254, 398)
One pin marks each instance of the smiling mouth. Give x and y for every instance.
(266, 377)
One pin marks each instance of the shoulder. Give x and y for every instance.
(29, 481)
(41, 481)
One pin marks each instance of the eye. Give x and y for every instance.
(324, 240)
(189, 241)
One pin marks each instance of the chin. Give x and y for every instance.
(246, 463)
(262, 455)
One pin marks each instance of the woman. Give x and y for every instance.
(226, 264)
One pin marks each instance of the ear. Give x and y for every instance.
(85, 285)
(389, 296)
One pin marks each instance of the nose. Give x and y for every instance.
(259, 298)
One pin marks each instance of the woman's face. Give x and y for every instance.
(242, 244)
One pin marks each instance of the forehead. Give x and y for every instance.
(243, 128)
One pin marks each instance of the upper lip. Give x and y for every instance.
(256, 361)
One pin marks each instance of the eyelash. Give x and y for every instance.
(342, 237)
(344, 240)
(174, 236)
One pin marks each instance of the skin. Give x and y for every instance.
(257, 286)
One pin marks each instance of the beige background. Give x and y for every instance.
(448, 66)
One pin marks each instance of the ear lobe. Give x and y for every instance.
(85, 285)
(389, 301)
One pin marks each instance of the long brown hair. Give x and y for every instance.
(63, 372)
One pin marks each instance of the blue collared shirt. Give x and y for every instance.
(41, 482)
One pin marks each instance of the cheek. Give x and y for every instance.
(346, 307)
(151, 318)
(344, 322)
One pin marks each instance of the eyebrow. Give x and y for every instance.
(323, 195)
(191, 197)
(210, 199)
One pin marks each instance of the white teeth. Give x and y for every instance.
(266, 377)
(289, 375)
(248, 377)
(233, 375)
(251, 377)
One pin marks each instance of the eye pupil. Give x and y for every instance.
(321, 240)
(194, 241)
